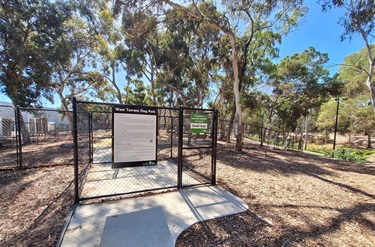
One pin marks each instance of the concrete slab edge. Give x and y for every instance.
(66, 225)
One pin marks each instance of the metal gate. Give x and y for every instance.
(183, 158)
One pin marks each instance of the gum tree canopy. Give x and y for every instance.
(256, 16)
(359, 18)
(28, 32)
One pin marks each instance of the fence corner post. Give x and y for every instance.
(75, 142)
(180, 144)
(214, 146)
(19, 135)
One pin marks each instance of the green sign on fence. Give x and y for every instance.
(199, 123)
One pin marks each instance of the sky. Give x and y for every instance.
(319, 30)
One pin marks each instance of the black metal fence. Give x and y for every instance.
(183, 158)
(263, 136)
(32, 137)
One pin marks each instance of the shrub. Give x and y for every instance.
(352, 155)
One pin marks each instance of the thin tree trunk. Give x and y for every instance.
(369, 140)
(306, 132)
(231, 123)
(119, 96)
(222, 131)
(24, 131)
(236, 91)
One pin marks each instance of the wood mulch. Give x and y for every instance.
(295, 199)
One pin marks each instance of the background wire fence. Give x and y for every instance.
(9, 148)
(46, 137)
(262, 136)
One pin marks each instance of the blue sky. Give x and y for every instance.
(319, 30)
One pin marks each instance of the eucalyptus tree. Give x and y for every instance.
(144, 54)
(70, 77)
(302, 83)
(255, 15)
(358, 19)
(110, 47)
(352, 74)
(28, 34)
(170, 53)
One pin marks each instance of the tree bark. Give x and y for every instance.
(119, 96)
(230, 125)
(369, 145)
(307, 132)
(24, 130)
(236, 90)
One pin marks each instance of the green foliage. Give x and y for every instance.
(358, 19)
(342, 153)
(302, 84)
(28, 34)
(352, 155)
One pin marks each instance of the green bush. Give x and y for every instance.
(352, 155)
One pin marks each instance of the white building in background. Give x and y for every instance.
(40, 121)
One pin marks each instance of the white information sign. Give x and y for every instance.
(134, 136)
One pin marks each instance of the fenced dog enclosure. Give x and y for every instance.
(38, 137)
(183, 138)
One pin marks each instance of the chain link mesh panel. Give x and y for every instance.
(98, 178)
(197, 147)
(46, 137)
(8, 138)
(167, 134)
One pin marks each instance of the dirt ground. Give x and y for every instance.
(294, 199)
(34, 204)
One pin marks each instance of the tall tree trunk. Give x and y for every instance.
(230, 125)
(370, 73)
(24, 130)
(236, 90)
(326, 135)
(369, 140)
(191, 15)
(152, 82)
(306, 132)
(222, 130)
(119, 96)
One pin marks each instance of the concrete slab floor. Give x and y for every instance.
(155, 220)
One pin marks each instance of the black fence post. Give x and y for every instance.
(19, 134)
(91, 139)
(75, 140)
(171, 137)
(180, 144)
(214, 147)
